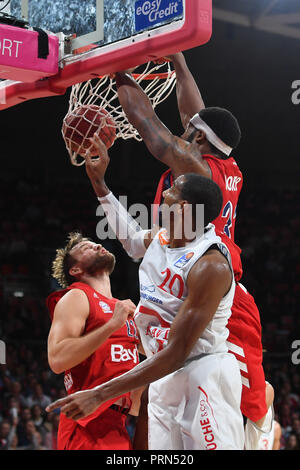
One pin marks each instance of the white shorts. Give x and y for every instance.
(198, 407)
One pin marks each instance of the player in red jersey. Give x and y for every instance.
(205, 148)
(92, 339)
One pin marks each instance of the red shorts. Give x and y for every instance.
(244, 341)
(107, 432)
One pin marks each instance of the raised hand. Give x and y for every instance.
(96, 166)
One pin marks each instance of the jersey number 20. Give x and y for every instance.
(168, 284)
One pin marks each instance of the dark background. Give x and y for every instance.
(43, 197)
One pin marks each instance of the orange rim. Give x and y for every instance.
(151, 76)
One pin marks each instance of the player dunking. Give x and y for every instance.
(195, 391)
(92, 339)
(205, 148)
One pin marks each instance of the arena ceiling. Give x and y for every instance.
(281, 17)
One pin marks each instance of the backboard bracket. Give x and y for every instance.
(84, 40)
(96, 36)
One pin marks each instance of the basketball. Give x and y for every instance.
(84, 121)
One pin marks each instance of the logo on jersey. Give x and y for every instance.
(181, 262)
(150, 298)
(68, 381)
(206, 412)
(105, 307)
(121, 354)
(163, 237)
(232, 183)
(150, 289)
(160, 334)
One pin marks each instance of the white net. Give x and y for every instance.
(158, 82)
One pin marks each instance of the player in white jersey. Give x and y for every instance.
(187, 288)
(174, 421)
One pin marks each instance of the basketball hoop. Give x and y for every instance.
(157, 81)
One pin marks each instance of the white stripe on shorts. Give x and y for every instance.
(235, 349)
(245, 382)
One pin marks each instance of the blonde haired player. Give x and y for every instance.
(92, 339)
(187, 288)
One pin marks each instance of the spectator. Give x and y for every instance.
(285, 415)
(38, 397)
(5, 428)
(52, 427)
(7, 433)
(291, 399)
(13, 407)
(33, 438)
(38, 418)
(25, 416)
(296, 425)
(292, 443)
(14, 443)
(29, 382)
(6, 387)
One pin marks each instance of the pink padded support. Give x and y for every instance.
(19, 55)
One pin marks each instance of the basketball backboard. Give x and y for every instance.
(122, 33)
(97, 21)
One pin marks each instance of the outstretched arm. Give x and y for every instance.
(209, 280)
(189, 98)
(174, 152)
(135, 241)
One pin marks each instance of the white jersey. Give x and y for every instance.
(266, 440)
(163, 277)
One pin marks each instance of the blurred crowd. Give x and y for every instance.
(37, 223)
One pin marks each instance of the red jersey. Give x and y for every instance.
(229, 178)
(117, 355)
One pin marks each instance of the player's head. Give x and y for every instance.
(191, 192)
(79, 258)
(215, 128)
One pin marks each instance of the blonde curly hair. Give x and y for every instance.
(64, 260)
